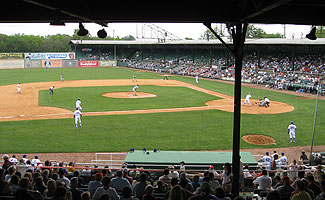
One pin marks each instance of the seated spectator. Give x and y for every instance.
(126, 193)
(93, 185)
(264, 182)
(85, 196)
(6, 162)
(204, 193)
(220, 194)
(184, 185)
(23, 193)
(81, 181)
(176, 193)
(165, 178)
(75, 192)
(300, 192)
(322, 195)
(319, 174)
(273, 195)
(195, 183)
(14, 184)
(106, 188)
(313, 186)
(11, 171)
(39, 185)
(148, 195)
(139, 187)
(51, 186)
(60, 193)
(119, 182)
(63, 179)
(161, 187)
(285, 190)
(71, 168)
(278, 181)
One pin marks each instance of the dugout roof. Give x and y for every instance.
(309, 12)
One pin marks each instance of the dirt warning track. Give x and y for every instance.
(25, 106)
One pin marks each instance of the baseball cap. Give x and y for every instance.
(5, 156)
(291, 122)
(24, 156)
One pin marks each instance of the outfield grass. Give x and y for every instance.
(92, 99)
(192, 130)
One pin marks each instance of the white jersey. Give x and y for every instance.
(135, 88)
(78, 103)
(267, 159)
(18, 86)
(248, 96)
(52, 88)
(292, 128)
(267, 100)
(77, 113)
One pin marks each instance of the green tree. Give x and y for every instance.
(320, 31)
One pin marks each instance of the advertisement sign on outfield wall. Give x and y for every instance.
(88, 63)
(55, 55)
(52, 63)
(69, 63)
(11, 56)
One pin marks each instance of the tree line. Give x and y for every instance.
(50, 43)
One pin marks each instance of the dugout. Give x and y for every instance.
(194, 50)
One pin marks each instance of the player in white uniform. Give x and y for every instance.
(52, 89)
(267, 102)
(18, 88)
(197, 79)
(292, 132)
(77, 117)
(284, 160)
(135, 90)
(78, 104)
(61, 77)
(134, 78)
(247, 99)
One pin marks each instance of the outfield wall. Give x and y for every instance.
(54, 63)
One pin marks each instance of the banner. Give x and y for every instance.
(11, 64)
(88, 63)
(55, 55)
(11, 55)
(69, 63)
(33, 63)
(107, 63)
(53, 63)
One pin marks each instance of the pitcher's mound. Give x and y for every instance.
(258, 139)
(128, 95)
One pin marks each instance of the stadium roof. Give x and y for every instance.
(309, 12)
(264, 41)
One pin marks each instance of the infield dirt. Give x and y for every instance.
(25, 106)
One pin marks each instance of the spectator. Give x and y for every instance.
(14, 184)
(6, 162)
(139, 187)
(148, 193)
(4, 185)
(176, 193)
(264, 182)
(81, 181)
(11, 171)
(126, 193)
(213, 182)
(273, 195)
(285, 190)
(322, 195)
(195, 183)
(227, 178)
(300, 192)
(60, 193)
(75, 192)
(85, 196)
(319, 173)
(39, 185)
(313, 186)
(93, 185)
(205, 193)
(23, 192)
(220, 194)
(304, 157)
(165, 178)
(184, 185)
(63, 179)
(278, 181)
(106, 188)
(51, 186)
(119, 182)
(161, 187)
(71, 168)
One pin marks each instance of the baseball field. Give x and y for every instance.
(174, 114)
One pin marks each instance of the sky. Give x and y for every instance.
(182, 30)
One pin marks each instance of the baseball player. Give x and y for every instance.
(47, 64)
(135, 90)
(166, 77)
(247, 99)
(77, 117)
(61, 77)
(134, 78)
(78, 104)
(292, 132)
(18, 88)
(51, 89)
(267, 102)
(197, 79)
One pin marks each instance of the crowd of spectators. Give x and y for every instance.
(275, 179)
(303, 74)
